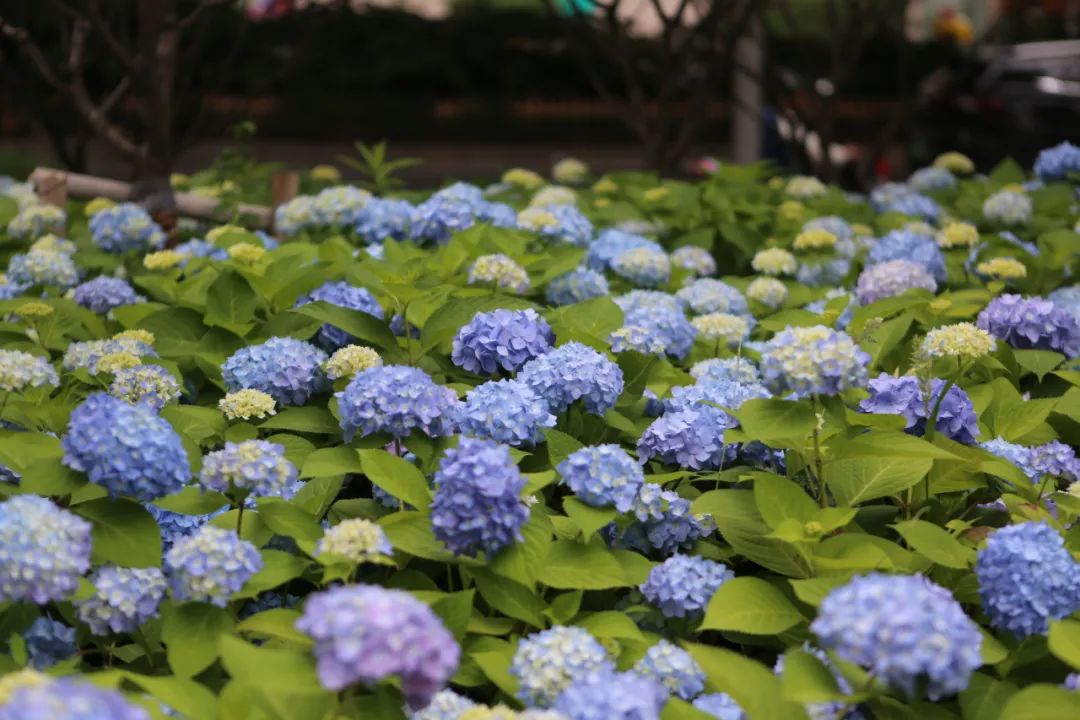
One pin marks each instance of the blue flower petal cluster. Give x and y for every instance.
(1068, 299)
(477, 505)
(48, 642)
(891, 395)
(573, 372)
(439, 217)
(891, 278)
(916, 205)
(69, 699)
(1027, 578)
(125, 228)
(42, 267)
(344, 295)
(697, 260)
(127, 449)
(912, 246)
(708, 295)
(365, 633)
(721, 706)
(124, 598)
(1057, 460)
(929, 179)
(1058, 162)
(905, 630)
(43, 550)
(612, 242)
(501, 340)
(576, 286)
(690, 438)
(602, 475)
(210, 565)
(673, 668)
(612, 696)
(661, 321)
(1008, 207)
(643, 267)
(507, 411)
(664, 522)
(287, 369)
(736, 369)
(813, 360)
(20, 370)
(383, 219)
(255, 467)
(175, 526)
(1031, 323)
(547, 662)
(683, 585)
(445, 705)
(152, 385)
(397, 399)
(104, 293)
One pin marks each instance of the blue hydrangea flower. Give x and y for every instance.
(721, 706)
(673, 668)
(43, 550)
(125, 227)
(905, 630)
(834, 224)
(382, 219)
(338, 206)
(501, 340)
(127, 449)
(1068, 299)
(1018, 455)
(912, 246)
(1058, 162)
(683, 585)
(574, 372)
(603, 475)
(1027, 578)
(1057, 460)
(198, 248)
(829, 271)
(477, 505)
(638, 300)
(570, 226)
(576, 286)
(175, 526)
(42, 267)
(903, 396)
(929, 179)
(506, 411)
(344, 295)
(690, 438)
(10, 289)
(496, 214)
(439, 217)
(637, 338)
(287, 369)
(547, 662)
(124, 599)
(736, 369)
(663, 323)
(891, 278)
(461, 192)
(211, 565)
(916, 205)
(35, 219)
(255, 467)
(611, 243)
(48, 642)
(1008, 207)
(20, 370)
(698, 261)
(708, 295)
(104, 293)
(446, 705)
(69, 699)
(643, 266)
(267, 601)
(396, 399)
(664, 522)
(612, 696)
(813, 360)
(499, 271)
(152, 385)
(725, 393)
(1031, 323)
(365, 633)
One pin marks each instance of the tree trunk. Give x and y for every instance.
(159, 45)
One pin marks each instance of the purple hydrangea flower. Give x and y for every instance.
(1031, 323)
(48, 642)
(210, 565)
(124, 599)
(683, 585)
(127, 449)
(365, 633)
(891, 278)
(664, 522)
(287, 369)
(255, 467)
(104, 293)
(547, 662)
(43, 550)
(501, 340)
(602, 475)
(1057, 460)
(477, 505)
(612, 696)
(69, 699)
(903, 396)
(574, 372)
(689, 438)
(396, 399)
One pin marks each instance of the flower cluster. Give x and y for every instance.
(573, 372)
(104, 293)
(501, 271)
(576, 286)
(603, 475)
(383, 219)
(962, 340)
(768, 291)
(69, 699)
(1058, 163)
(506, 411)
(125, 228)
(774, 261)
(210, 565)
(350, 360)
(891, 278)
(43, 550)
(814, 239)
(1002, 268)
(287, 369)
(49, 642)
(36, 219)
(246, 404)
(611, 695)
(501, 340)
(255, 467)
(1008, 207)
(660, 326)
(683, 585)
(813, 360)
(42, 267)
(696, 260)
(396, 399)
(804, 187)
(692, 438)
(958, 235)
(673, 668)
(612, 242)
(357, 540)
(643, 266)
(708, 295)
(123, 599)
(1033, 323)
(912, 246)
(723, 328)
(547, 662)
(20, 370)
(929, 179)
(150, 384)
(956, 417)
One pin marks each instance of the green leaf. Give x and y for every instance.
(935, 543)
(1041, 702)
(287, 519)
(51, 477)
(611, 624)
(807, 680)
(304, 419)
(326, 462)
(279, 623)
(278, 568)
(410, 532)
(195, 423)
(1007, 172)
(1064, 641)
(560, 446)
(267, 668)
(190, 632)
(813, 590)
(750, 605)
(856, 480)
(366, 328)
(509, 597)
(985, 698)
(187, 697)
(193, 500)
(779, 499)
(779, 423)
(401, 479)
(1039, 362)
(589, 322)
(753, 686)
(588, 518)
(455, 609)
(124, 533)
(231, 303)
(738, 520)
(496, 666)
(573, 566)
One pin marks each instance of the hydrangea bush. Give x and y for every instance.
(593, 450)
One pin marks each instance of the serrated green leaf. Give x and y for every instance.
(190, 632)
(750, 605)
(401, 479)
(935, 543)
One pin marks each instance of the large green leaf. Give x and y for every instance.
(935, 543)
(190, 632)
(1064, 641)
(738, 520)
(401, 479)
(779, 423)
(509, 597)
(856, 480)
(750, 605)
(124, 533)
(753, 686)
(571, 565)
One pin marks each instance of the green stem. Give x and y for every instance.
(931, 422)
(240, 518)
(823, 498)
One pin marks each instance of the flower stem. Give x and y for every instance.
(822, 493)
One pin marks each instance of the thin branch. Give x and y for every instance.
(189, 19)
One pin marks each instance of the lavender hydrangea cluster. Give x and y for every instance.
(673, 668)
(1057, 460)
(695, 260)
(1031, 323)
(287, 369)
(708, 295)
(501, 340)
(612, 242)
(904, 396)
(665, 522)
(891, 278)
(255, 467)
(383, 219)
(712, 390)
(396, 399)
(507, 411)
(477, 505)
(123, 599)
(576, 286)
(904, 629)
(916, 205)
(127, 449)
(547, 662)
(152, 385)
(44, 550)
(69, 699)
(343, 295)
(104, 293)
(1018, 455)
(1058, 162)
(683, 585)
(602, 475)
(813, 360)
(690, 438)
(42, 267)
(736, 369)
(911, 246)
(365, 633)
(48, 642)
(87, 354)
(573, 372)
(721, 706)
(1027, 578)
(211, 565)
(613, 696)
(125, 228)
